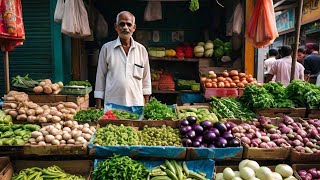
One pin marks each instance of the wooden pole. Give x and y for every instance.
(6, 71)
(297, 36)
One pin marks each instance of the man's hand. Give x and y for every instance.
(98, 103)
(146, 98)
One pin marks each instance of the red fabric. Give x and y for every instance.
(11, 24)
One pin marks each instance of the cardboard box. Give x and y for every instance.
(254, 153)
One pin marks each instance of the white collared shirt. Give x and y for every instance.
(282, 70)
(117, 80)
(267, 66)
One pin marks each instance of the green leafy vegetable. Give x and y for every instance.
(194, 5)
(155, 110)
(79, 83)
(125, 115)
(88, 115)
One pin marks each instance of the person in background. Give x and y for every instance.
(272, 55)
(282, 67)
(312, 61)
(300, 55)
(123, 73)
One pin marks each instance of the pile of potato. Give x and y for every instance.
(18, 106)
(46, 86)
(69, 132)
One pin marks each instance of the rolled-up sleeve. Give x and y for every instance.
(146, 81)
(101, 74)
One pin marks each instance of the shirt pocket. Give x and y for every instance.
(138, 71)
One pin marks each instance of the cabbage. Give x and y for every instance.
(218, 53)
(218, 43)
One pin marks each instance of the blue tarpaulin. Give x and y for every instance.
(206, 166)
(229, 153)
(133, 109)
(170, 152)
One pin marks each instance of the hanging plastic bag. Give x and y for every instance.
(58, 13)
(262, 30)
(153, 11)
(75, 21)
(235, 23)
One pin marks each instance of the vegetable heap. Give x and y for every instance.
(125, 115)
(257, 97)
(159, 136)
(174, 170)
(52, 172)
(24, 82)
(88, 115)
(312, 173)
(79, 83)
(120, 167)
(200, 113)
(249, 169)
(207, 134)
(155, 110)
(277, 90)
(113, 135)
(230, 108)
(16, 134)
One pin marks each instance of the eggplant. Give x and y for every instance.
(185, 129)
(186, 142)
(191, 120)
(227, 135)
(206, 124)
(209, 137)
(198, 138)
(196, 144)
(211, 146)
(215, 130)
(221, 142)
(198, 129)
(233, 142)
(191, 134)
(220, 126)
(184, 122)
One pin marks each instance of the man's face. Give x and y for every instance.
(125, 26)
(300, 56)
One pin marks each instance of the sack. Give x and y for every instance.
(75, 21)
(58, 12)
(153, 11)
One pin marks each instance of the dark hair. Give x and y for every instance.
(273, 52)
(315, 47)
(285, 51)
(301, 50)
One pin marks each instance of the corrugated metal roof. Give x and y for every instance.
(35, 56)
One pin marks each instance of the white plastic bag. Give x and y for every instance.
(235, 23)
(58, 12)
(153, 11)
(75, 21)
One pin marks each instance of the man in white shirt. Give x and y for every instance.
(282, 67)
(123, 74)
(272, 54)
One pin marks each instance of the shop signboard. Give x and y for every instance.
(311, 11)
(285, 21)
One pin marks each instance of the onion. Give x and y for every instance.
(286, 130)
(245, 140)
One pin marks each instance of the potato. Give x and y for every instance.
(71, 105)
(22, 117)
(13, 114)
(31, 112)
(55, 86)
(60, 106)
(47, 89)
(39, 110)
(38, 89)
(45, 107)
(47, 81)
(72, 111)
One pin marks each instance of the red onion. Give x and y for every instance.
(235, 130)
(265, 138)
(256, 140)
(281, 125)
(274, 136)
(249, 135)
(285, 130)
(302, 172)
(299, 138)
(245, 140)
(272, 130)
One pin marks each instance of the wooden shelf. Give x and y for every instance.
(172, 92)
(176, 59)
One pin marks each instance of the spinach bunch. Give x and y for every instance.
(120, 167)
(88, 115)
(155, 110)
(255, 97)
(277, 90)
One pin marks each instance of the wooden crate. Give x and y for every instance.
(281, 112)
(254, 153)
(50, 150)
(4, 163)
(81, 101)
(298, 167)
(7, 172)
(297, 157)
(313, 113)
(75, 167)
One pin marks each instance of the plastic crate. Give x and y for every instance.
(220, 92)
(76, 90)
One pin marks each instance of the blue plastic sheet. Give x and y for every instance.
(206, 166)
(170, 152)
(229, 153)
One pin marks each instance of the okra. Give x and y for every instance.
(185, 168)
(170, 166)
(171, 174)
(161, 178)
(196, 176)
